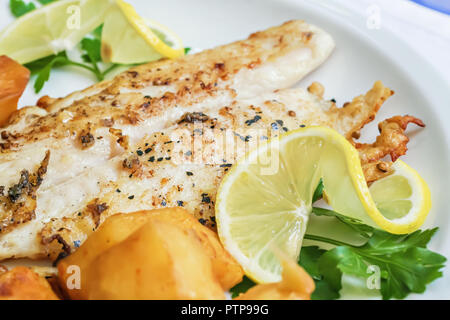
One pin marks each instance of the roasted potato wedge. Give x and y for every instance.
(118, 228)
(21, 283)
(13, 80)
(158, 261)
(296, 284)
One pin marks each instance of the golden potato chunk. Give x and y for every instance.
(13, 80)
(115, 249)
(296, 284)
(21, 283)
(158, 261)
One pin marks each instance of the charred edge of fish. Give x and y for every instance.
(16, 190)
(131, 117)
(87, 140)
(134, 74)
(192, 117)
(59, 238)
(28, 183)
(122, 140)
(132, 162)
(383, 167)
(107, 122)
(252, 121)
(60, 256)
(206, 198)
(96, 209)
(6, 135)
(145, 105)
(133, 165)
(20, 200)
(3, 269)
(220, 66)
(307, 36)
(8, 145)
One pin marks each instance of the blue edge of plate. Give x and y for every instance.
(438, 5)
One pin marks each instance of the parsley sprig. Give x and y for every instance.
(91, 56)
(406, 265)
(19, 7)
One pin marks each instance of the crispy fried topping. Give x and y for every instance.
(87, 140)
(374, 171)
(45, 102)
(132, 162)
(96, 209)
(192, 117)
(108, 122)
(391, 141)
(317, 89)
(360, 111)
(60, 237)
(20, 201)
(122, 140)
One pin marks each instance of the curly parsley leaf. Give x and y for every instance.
(97, 33)
(20, 7)
(318, 192)
(43, 67)
(241, 287)
(91, 47)
(326, 288)
(37, 65)
(44, 2)
(405, 264)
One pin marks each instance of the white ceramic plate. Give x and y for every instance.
(361, 57)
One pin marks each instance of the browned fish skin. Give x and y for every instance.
(20, 201)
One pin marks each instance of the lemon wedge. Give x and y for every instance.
(258, 209)
(52, 28)
(127, 38)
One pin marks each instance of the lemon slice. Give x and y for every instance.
(403, 197)
(261, 206)
(52, 28)
(127, 38)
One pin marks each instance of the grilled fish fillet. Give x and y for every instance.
(150, 97)
(130, 144)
